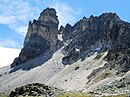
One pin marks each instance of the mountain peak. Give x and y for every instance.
(41, 36)
(110, 15)
(48, 15)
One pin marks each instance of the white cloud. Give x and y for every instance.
(16, 14)
(21, 30)
(66, 14)
(7, 55)
(9, 43)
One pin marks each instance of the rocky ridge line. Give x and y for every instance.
(89, 35)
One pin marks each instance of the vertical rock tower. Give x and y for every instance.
(41, 36)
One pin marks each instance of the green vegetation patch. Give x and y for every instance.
(88, 95)
(4, 95)
(75, 95)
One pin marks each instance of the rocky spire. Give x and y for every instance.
(41, 36)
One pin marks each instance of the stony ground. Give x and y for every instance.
(86, 76)
(40, 74)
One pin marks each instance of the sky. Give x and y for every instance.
(16, 14)
(7, 55)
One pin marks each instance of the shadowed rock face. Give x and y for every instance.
(94, 34)
(41, 36)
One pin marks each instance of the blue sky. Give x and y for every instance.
(15, 15)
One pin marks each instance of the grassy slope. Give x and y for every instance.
(87, 95)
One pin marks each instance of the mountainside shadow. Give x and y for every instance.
(34, 62)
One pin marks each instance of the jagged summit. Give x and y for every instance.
(109, 15)
(42, 35)
(48, 16)
(88, 34)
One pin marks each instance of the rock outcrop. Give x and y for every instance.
(94, 34)
(36, 90)
(41, 36)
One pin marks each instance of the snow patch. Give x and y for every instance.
(77, 50)
(60, 37)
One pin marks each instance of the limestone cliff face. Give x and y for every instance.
(41, 36)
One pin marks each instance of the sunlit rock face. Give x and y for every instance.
(41, 36)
